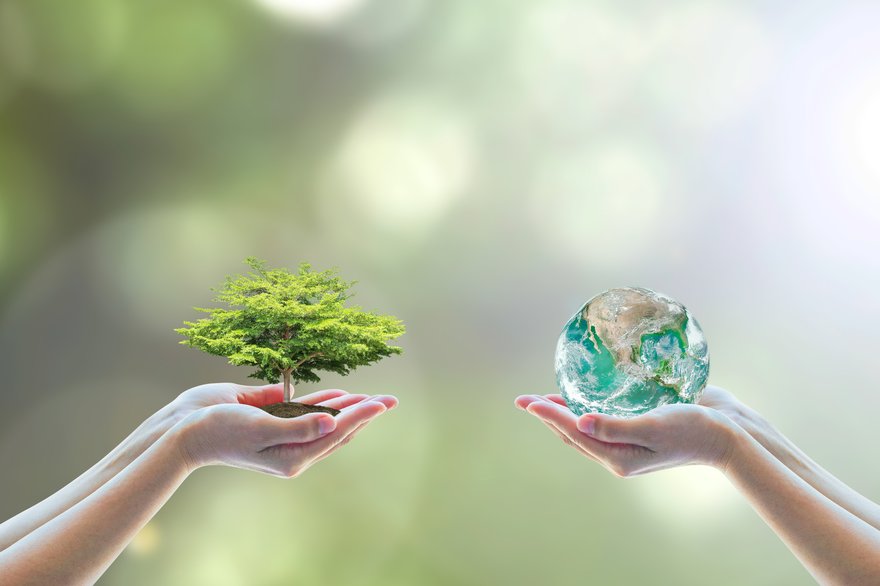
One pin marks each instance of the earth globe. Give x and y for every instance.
(630, 350)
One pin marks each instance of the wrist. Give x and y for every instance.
(749, 419)
(754, 424)
(182, 437)
(144, 436)
(728, 437)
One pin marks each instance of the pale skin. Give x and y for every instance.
(833, 530)
(74, 535)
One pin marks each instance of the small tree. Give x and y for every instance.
(291, 325)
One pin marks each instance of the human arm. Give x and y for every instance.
(137, 443)
(79, 544)
(836, 546)
(784, 450)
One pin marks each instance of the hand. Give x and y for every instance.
(224, 427)
(230, 393)
(671, 435)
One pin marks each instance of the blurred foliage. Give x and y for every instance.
(481, 168)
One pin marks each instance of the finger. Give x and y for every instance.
(348, 421)
(616, 430)
(564, 420)
(389, 401)
(560, 416)
(568, 441)
(343, 402)
(556, 399)
(340, 443)
(523, 401)
(340, 403)
(321, 396)
(300, 430)
(260, 396)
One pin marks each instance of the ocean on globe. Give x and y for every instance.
(630, 350)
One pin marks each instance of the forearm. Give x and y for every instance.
(836, 546)
(806, 468)
(78, 545)
(91, 480)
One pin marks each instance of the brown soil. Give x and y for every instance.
(293, 409)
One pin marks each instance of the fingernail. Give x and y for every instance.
(326, 425)
(388, 398)
(587, 425)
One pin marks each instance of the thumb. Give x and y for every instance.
(303, 429)
(615, 430)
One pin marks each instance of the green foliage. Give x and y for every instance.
(291, 323)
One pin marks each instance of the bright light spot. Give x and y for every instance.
(164, 261)
(577, 60)
(402, 167)
(687, 498)
(146, 541)
(708, 61)
(405, 163)
(609, 206)
(862, 123)
(580, 62)
(827, 142)
(315, 12)
(384, 22)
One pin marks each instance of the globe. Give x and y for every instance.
(630, 350)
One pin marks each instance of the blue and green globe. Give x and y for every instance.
(630, 350)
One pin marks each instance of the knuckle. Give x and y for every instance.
(602, 431)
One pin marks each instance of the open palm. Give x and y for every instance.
(671, 435)
(224, 426)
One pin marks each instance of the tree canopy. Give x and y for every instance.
(291, 325)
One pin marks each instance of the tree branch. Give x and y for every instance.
(306, 359)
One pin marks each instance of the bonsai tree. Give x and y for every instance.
(290, 326)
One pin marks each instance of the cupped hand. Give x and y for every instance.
(669, 436)
(224, 426)
(231, 393)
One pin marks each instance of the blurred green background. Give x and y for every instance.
(482, 168)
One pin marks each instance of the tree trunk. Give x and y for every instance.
(288, 388)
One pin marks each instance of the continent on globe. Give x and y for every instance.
(630, 350)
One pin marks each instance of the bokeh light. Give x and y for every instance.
(608, 206)
(687, 499)
(315, 12)
(707, 62)
(146, 541)
(180, 269)
(480, 169)
(861, 137)
(831, 174)
(402, 166)
(381, 24)
(577, 61)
